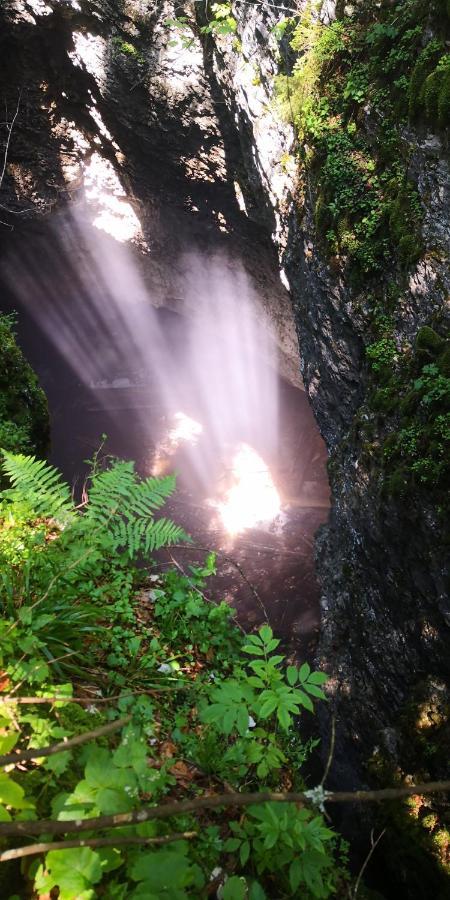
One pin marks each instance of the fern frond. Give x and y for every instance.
(163, 533)
(124, 505)
(37, 484)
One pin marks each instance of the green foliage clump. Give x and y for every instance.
(199, 708)
(23, 406)
(416, 393)
(127, 49)
(382, 353)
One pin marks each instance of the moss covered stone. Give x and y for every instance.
(428, 339)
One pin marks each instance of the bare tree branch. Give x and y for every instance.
(39, 752)
(34, 849)
(214, 801)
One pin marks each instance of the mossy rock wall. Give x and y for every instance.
(24, 421)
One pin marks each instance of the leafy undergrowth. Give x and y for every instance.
(182, 704)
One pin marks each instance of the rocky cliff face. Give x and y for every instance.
(191, 128)
(383, 558)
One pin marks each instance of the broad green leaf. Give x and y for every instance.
(304, 672)
(244, 852)
(12, 794)
(283, 717)
(314, 690)
(253, 650)
(235, 888)
(74, 871)
(304, 700)
(8, 741)
(256, 892)
(291, 674)
(268, 706)
(295, 874)
(266, 633)
(317, 678)
(232, 844)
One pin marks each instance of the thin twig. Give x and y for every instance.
(373, 847)
(119, 841)
(38, 752)
(214, 801)
(331, 753)
(92, 701)
(9, 127)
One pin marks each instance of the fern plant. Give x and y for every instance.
(37, 486)
(120, 506)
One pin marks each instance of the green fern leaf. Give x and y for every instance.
(38, 485)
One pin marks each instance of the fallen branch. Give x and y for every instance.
(34, 849)
(39, 752)
(214, 801)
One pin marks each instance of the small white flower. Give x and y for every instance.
(91, 709)
(164, 668)
(251, 722)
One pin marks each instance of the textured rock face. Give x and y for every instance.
(383, 562)
(110, 95)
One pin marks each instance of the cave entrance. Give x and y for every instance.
(198, 394)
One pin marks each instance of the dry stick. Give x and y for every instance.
(38, 752)
(33, 849)
(331, 753)
(215, 801)
(9, 127)
(374, 845)
(92, 701)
